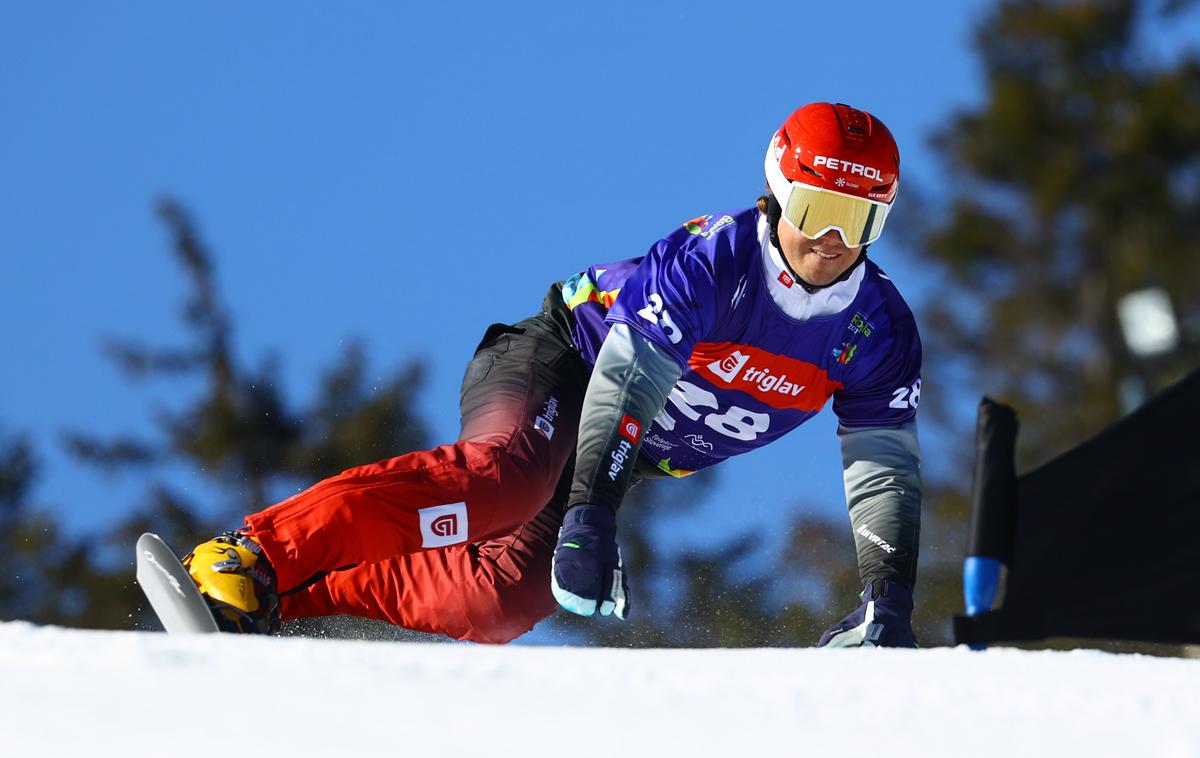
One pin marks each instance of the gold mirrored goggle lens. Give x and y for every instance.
(815, 211)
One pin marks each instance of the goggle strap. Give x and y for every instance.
(869, 225)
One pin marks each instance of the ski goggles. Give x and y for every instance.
(815, 211)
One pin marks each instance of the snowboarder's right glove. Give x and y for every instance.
(586, 573)
(883, 619)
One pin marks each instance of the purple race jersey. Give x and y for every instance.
(760, 356)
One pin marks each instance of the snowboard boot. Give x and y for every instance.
(237, 582)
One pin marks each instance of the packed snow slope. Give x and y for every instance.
(83, 693)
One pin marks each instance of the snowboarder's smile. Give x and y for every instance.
(818, 261)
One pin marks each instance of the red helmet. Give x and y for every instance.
(851, 161)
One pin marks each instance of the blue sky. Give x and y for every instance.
(404, 175)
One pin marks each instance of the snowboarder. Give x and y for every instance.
(731, 331)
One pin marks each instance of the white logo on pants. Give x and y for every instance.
(443, 525)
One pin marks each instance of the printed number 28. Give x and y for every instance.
(906, 397)
(738, 423)
(655, 313)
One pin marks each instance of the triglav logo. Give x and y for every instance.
(545, 422)
(786, 280)
(728, 367)
(777, 380)
(630, 429)
(619, 456)
(731, 365)
(443, 525)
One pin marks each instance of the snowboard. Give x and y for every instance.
(170, 589)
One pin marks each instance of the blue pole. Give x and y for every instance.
(981, 580)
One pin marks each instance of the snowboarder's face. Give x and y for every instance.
(817, 261)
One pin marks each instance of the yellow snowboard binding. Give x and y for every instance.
(237, 582)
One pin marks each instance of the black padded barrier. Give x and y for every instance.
(1102, 541)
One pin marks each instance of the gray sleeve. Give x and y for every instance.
(882, 471)
(630, 383)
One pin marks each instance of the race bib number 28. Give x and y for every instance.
(735, 422)
(906, 397)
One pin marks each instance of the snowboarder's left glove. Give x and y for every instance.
(586, 573)
(883, 619)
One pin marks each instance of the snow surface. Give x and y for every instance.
(86, 693)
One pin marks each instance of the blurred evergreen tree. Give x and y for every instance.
(26, 537)
(240, 433)
(1077, 182)
(45, 575)
(1073, 182)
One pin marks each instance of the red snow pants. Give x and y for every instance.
(455, 540)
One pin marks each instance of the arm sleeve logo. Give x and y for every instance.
(631, 429)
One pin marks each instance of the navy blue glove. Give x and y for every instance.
(586, 574)
(883, 620)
